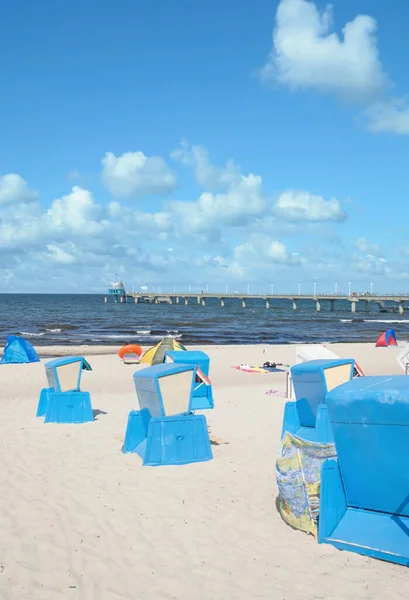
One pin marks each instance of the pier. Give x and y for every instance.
(267, 299)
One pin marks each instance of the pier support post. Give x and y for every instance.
(332, 305)
(366, 305)
(105, 299)
(198, 299)
(294, 305)
(243, 303)
(121, 299)
(401, 309)
(203, 302)
(353, 305)
(186, 301)
(177, 299)
(318, 306)
(221, 301)
(136, 299)
(267, 303)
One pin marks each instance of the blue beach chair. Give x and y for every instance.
(63, 401)
(364, 504)
(307, 417)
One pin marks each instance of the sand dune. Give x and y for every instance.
(81, 520)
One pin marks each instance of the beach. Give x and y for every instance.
(81, 520)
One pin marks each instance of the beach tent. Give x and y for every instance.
(156, 354)
(388, 338)
(17, 351)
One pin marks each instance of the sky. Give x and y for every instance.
(202, 143)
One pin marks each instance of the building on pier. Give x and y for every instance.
(117, 290)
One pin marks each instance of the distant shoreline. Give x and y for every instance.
(80, 350)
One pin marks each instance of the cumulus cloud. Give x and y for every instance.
(261, 250)
(371, 265)
(15, 190)
(134, 175)
(391, 116)
(233, 234)
(308, 54)
(364, 246)
(207, 175)
(303, 206)
(76, 212)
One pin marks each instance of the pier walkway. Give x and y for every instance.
(319, 299)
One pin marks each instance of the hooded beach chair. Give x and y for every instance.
(364, 505)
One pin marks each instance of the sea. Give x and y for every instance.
(62, 319)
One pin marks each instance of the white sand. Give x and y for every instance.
(81, 520)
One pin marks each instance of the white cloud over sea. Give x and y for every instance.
(234, 231)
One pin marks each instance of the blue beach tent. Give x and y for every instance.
(18, 351)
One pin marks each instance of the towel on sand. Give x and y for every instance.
(253, 369)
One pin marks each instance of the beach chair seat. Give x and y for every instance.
(365, 492)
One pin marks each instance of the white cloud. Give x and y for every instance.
(58, 255)
(365, 247)
(76, 212)
(231, 236)
(303, 206)
(260, 251)
(238, 207)
(307, 54)
(133, 175)
(370, 264)
(15, 190)
(391, 116)
(207, 175)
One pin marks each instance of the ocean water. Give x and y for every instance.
(85, 319)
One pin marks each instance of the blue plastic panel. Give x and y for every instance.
(136, 430)
(310, 386)
(69, 407)
(64, 360)
(44, 401)
(191, 357)
(148, 387)
(177, 441)
(370, 422)
(51, 369)
(160, 370)
(373, 534)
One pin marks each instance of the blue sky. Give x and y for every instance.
(204, 143)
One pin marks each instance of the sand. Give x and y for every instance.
(83, 521)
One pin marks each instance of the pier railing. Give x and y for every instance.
(201, 298)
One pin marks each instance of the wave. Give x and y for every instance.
(59, 327)
(56, 330)
(30, 334)
(386, 320)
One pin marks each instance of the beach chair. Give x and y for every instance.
(403, 359)
(202, 387)
(307, 417)
(364, 504)
(165, 431)
(63, 401)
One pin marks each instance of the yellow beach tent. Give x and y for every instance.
(156, 354)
